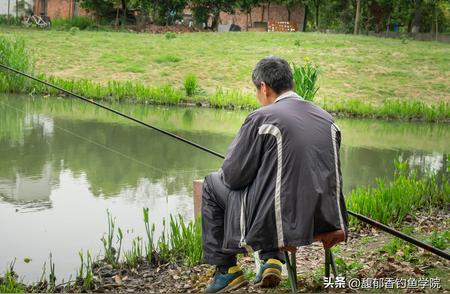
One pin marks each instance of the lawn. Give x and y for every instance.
(352, 67)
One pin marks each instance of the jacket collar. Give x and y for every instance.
(288, 94)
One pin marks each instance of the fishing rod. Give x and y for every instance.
(360, 217)
(113, 111)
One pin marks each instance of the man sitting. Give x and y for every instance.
(280, 183)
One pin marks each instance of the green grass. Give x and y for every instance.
(391, 202)
(9, 282)
(80, 22)
(369, 69)
(15, 53)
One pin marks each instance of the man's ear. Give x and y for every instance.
(264, 89)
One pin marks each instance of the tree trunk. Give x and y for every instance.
(9, 4)
(317, 6)
(415, 25)
(246, 22)
(305, 17)
(268, 12)
(17, 8)
(262, 12)
(436, 19)
(155, 6)
(251, 20)
(124, 15)
(289, 12)
(388, 24)
(215, 22)
(358, 11)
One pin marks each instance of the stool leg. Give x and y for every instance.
(292, 269)
(333, 264)
(329, 263)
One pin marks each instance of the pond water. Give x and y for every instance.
(64, 162)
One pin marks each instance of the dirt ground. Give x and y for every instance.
(361, 257)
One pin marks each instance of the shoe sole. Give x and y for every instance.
(235, 284)
(271, 278)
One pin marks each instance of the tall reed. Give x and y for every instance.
(14, 53)
(391, 202)
(305, 80)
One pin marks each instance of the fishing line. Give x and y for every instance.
(115, 111)
(360, 217)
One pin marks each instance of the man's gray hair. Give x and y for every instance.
(274, 72)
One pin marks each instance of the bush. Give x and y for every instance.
(13, 53)
(170, 35)
(80, 22)
(391, 202)
(305, 79)
(13, 21)
(190, 84)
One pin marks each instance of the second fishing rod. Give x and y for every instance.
(360, 217)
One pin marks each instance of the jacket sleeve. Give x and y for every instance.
(243, 158)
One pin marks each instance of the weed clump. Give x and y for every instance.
(305, 80)
(13, 53)
(190, 84)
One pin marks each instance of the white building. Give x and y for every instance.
(11, 5)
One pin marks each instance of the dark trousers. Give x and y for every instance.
(214, 204)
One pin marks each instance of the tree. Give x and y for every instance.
(247, 7)
(170, 10)
(102, 9)
(357, 16)
(213, 8)
(291, 4)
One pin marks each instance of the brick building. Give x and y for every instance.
(58, 8)
(266, 13)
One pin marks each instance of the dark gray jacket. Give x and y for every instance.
(285, 161)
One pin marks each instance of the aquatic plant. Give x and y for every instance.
(149, 246)
(391, 202)
(392, 109)
(9, 282)
(51, 275)
(85, 276)
(134, 255)
(13, 53)
(109, 250)
(233, 99)
(119, 240)
(305, 80)
(185, 240)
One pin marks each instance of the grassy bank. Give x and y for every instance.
(359, 76)
(391, 202)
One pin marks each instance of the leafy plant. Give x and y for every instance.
(170, 35)
(190, 84)
(134, 255)
(149, 248)
(440, 240)
(110, 251)
(13, 53)
(9, 283)
(85, 277)
(391, 202)
(305, 80)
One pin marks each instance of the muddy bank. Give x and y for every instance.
(368, 254)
